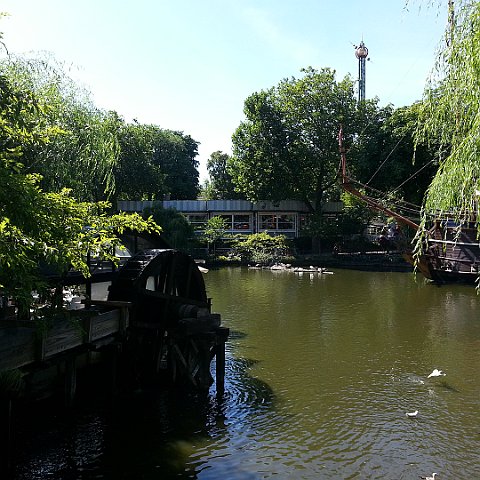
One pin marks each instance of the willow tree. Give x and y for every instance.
(84, 150)
(450, 117)
(39, 227)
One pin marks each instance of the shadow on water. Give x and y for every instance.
(147, 434)
(236, 335)
(447, 386)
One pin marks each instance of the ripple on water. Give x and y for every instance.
(358, 429)
(319, 377)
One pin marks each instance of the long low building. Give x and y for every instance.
(241, 216)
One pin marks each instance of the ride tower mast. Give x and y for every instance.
(361, 52)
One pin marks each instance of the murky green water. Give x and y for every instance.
(321, 371)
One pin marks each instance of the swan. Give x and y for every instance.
(436, 373)
(412, 414)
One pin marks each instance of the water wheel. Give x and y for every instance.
(160, 283)
(171, 328)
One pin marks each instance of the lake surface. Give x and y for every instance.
(321, 371)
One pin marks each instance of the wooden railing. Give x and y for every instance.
(26, 342)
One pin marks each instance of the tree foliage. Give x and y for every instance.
(44, 228)
(176, 154)
(450, 116)
(221, 184)
(261, 248)
(290, 136)
(383, 155)
(176, 229)
(155, 162)
(82, 146)
(215, 229)
(94, 153)
(137, 175)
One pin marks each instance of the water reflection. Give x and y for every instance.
(177, 433)
(320, 374)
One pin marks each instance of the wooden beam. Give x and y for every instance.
(70, 381)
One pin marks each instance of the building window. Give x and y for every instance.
(237, 221)
(284, 221)
(267, 222)
(197, 220)
(241, 222)
(228, 221)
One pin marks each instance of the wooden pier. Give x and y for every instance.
(156, 325)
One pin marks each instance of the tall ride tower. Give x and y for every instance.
(361, 52)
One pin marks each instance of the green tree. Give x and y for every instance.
(221, 186)
(215, 229)
(93, 152)
(155, 162)
(383, 155)
(176, 154)
(137, 175)
(287, 148)
(206, 190)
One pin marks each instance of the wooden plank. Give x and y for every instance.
(6, 434)
(87, 329)
(64, 334)
(108, 303)
(70, 381)
(219, 350)
(105, 324)
(124, 321)
(22, 345)
(17, 347)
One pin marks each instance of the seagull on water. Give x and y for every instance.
(412, 414)
(429, 478)
(436, 373)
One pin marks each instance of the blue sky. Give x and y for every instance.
(189, 65)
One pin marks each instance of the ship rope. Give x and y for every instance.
(385, 161)
(411, 177)
(379, 196)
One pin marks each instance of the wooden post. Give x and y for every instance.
(113, 353)
(222, 334)
(70, 381)
(6, 432)
(220, 367)
(124, 321)
(88, 281)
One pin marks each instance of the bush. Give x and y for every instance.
(261, 248)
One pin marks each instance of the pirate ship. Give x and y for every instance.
(449, 251)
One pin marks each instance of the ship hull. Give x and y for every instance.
(452, 254)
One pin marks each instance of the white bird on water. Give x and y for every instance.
(429, 478)
(436, 373)
(412, 414)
